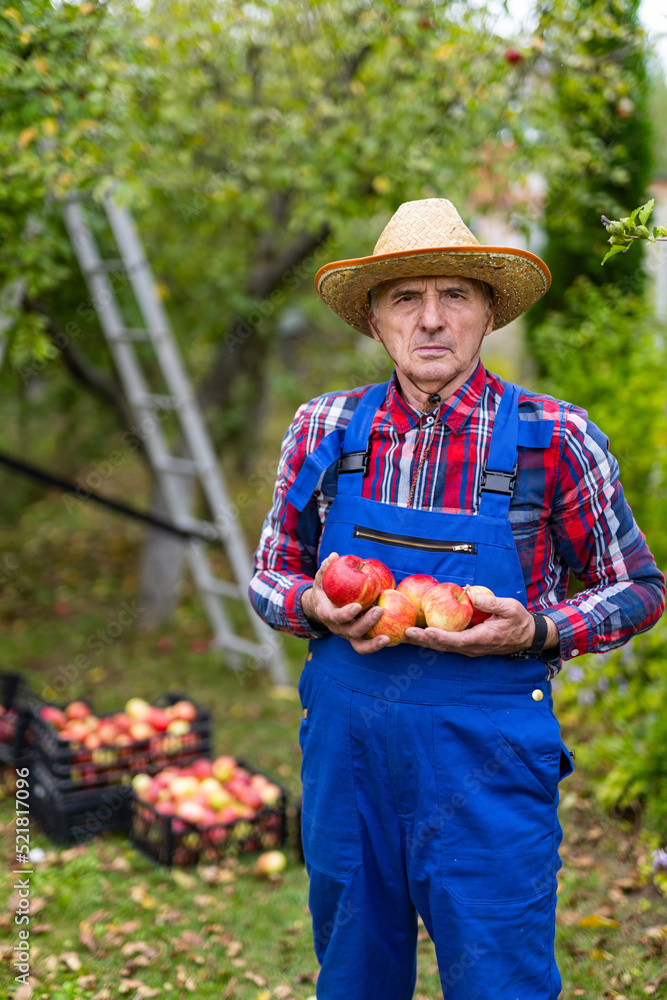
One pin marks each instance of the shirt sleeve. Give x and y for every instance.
(596, 535)
(285, 562)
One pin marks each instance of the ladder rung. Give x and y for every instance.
(128, 335)
(240, 645)
(177, 466)
(151, 401)
(222, 588)
(104, 266)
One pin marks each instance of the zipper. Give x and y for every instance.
(412, 542)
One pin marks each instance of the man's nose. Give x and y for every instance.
(432, 314)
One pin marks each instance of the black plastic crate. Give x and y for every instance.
(15, 697)
(172, 841)
(110, 765)
(69, 815)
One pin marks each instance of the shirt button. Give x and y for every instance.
(575, 652)
(429, 420)
(538, 695)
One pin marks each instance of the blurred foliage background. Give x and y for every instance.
(256, 141)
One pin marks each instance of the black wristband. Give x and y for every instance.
(540, 637)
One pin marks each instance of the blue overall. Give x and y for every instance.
(430, 780)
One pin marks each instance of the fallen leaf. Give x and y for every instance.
(600, 956)
(234, 948)
(70, 853)
(99, 916)
(140, 895)
(183, 980)
(229, 989)
(42, 928)
(615, 895)
(282, 991)
(583, 861)
(117, 864)
(51, 963)
(23, 992)
(595, 833)
(86, 936)
(128, 985)
(191, 939)
(71, 960)
(627, 883)
(104, 994)
(86, 982)
(210, 874)
(264, 995)
(139, 947)
(306, 977)
(204, 901)
(597, 920)
(185, 881)
(129, 927)
(257, 980)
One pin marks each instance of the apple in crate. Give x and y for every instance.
(350, 580)
(415, 588)
(478, 616)
(77, 710)
(182, 710)
(138, 709)
(223, 768)
(398, 614)
(384, 574)
(447, 606)
(53, 715)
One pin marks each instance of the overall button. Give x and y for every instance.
(310, 656)
(304, 713)
(538, 695)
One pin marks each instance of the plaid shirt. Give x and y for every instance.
(568, 510)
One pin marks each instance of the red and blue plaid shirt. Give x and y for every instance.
(568, 511)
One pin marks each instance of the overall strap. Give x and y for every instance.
(356, 444)
(351, 441)
(499, 473)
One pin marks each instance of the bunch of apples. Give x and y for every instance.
(207, 793)
(8, 719)
(138, 723)
(416, 600)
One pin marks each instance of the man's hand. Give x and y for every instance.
(510, 629)
(347, 621)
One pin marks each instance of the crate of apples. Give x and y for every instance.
(92, 750)
(206, 810)
(416, 600)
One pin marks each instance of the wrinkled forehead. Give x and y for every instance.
(440, 282)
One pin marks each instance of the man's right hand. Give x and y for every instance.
(347, 621)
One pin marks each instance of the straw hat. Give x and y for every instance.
(428, 237)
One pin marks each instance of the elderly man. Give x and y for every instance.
(431, 768)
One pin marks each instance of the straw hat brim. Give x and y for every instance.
(518, 278)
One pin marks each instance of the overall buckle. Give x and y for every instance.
(498, 482)
(355, 461)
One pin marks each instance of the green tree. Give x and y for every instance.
(609, 135)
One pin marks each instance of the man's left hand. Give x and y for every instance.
(510, 629)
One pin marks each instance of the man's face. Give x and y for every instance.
(432, 328)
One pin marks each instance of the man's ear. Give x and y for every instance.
(372, 322)
(489, 322)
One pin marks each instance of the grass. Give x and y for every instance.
(107, 922)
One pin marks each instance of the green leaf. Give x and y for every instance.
(613, 252)
(645, 211)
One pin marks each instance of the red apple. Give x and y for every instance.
(138, 709)
(107, 732)
(473, 592)
(122, 721)
(140, 731)
(270, 794)
(158, 719)
(179, 727)
(141, 783)
(183, 710)
(228, 815)
(384, 574)
(447, 606)
(165, 808)
(270, 863)
(223, 768)
(202, 768)
(512, 56)
(350, 580)
(77, 710)
(53, 715)
(123, 740)
(92, 741)
(399, 614)
(191, 812)
(183, 787)
(91, 722)
(415, 587)
(76, 731)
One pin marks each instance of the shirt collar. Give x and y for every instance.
(454, 412)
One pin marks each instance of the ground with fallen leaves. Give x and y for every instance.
(107, 922)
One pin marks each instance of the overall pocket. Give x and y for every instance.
(329, 824)
(499, 801)
(405, 554)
